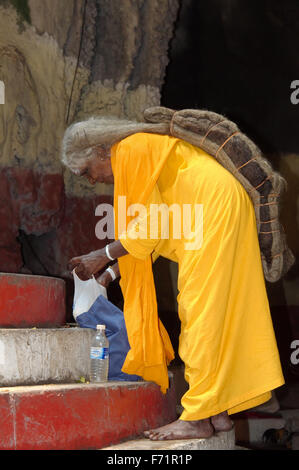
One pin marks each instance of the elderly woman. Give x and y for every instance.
(227, 342)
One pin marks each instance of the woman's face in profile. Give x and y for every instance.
(98, 169)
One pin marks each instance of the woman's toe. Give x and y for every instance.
(149, 434)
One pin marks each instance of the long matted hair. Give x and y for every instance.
(220, 138)
(82, 137)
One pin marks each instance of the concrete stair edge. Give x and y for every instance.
(80, 416)
(30, 356)
(220, 441)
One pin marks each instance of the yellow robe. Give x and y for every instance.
(227, 340)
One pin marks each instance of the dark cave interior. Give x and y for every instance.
(238, 59)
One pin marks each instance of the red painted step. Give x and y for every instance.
(28, 301)
(80, 416)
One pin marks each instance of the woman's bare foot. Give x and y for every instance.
(222, 422)
(180, 429)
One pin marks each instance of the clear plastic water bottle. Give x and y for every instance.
(99, 356)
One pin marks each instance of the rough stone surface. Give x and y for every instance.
(73, 60)
(80, 416)
(34, 356)
(249, 429)
(42, 228)
(292, 419)
(31, 301)
(31, 356)
(220, 441)
(257, 427)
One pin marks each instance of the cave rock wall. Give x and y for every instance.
(62, 61)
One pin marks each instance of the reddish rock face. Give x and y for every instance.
(36, 200)
(31, 301)
(76, 232)
(10, 254)
(56, 227)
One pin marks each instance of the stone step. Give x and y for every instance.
(220, 441)
(31, 301)
(44, 355)
(251, 426)
(81, 416)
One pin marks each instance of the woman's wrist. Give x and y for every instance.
(108, 254)
(114, 250)
(110, 270)
(101, 253)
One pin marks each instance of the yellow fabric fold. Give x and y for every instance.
(227, 340)
(135, 178)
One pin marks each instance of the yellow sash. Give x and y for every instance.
(136, 168)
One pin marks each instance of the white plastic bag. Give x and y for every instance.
(86, 293)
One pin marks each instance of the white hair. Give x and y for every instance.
(81, 138)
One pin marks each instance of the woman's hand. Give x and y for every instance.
(87, 265)
(93, 262)
(105, 278)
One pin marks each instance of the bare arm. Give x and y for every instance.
(93, 262)
(116, 249)
(105, 278)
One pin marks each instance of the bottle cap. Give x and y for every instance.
(101, 327)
